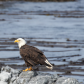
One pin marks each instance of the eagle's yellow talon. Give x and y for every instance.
(28, 69)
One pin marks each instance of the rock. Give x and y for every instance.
(10, 70)
(25, 77)
(9, 75)
(41, 80)
(28, 74)
(2, 82)
(5, 77)
(32, 77)
(64, 80)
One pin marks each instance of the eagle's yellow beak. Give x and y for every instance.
(16, 41)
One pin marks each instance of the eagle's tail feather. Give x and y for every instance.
(48, 63)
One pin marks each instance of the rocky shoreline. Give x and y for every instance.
(9, 75)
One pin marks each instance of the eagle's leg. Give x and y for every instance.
(28, 69)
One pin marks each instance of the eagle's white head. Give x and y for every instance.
(20, 42)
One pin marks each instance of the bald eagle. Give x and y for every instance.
(32, 55)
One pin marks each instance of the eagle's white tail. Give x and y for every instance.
(51, 66)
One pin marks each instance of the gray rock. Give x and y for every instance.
(64, 80)
(2, 82)
(10, 70)
(9, 75)
(5, 77)
(25, 77)
(32, 77)
(41, 80)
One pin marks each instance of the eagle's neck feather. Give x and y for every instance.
(21, 44)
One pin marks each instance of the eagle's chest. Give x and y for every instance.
(27, 53)
(24, 52)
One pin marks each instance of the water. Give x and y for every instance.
(56, 28)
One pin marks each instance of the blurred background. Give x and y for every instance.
(56, 27)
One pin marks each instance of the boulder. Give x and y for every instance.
(65, 80)
(44, 78)
(9, 75)
(5, 77)
(25, 77)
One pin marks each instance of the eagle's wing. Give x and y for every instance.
(36, 50)
(32, 55)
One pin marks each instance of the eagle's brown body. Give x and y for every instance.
(32, 56)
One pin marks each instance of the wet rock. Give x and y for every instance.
(68, 72)
(68, 39)
(64, 60)
(64, 80)
(2, 19)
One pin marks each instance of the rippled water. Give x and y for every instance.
(55, 28)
